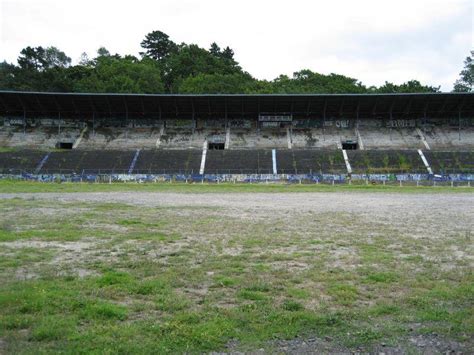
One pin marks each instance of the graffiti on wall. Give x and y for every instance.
(315, 178)
(401, 123)
(214, 123)
(179, 123)
(307, 123)
(240, 124)
(338, 123)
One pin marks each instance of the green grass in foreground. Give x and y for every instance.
(137, 279)
(10, 186)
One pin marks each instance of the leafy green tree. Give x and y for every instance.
(84, 60)
(157, 45)
(55, 79)
(218, 84)
(185, 68)
(190, 61)
(121, 75)
(32, 58)
(55, 58)
(228, 53)
(263, 87)
(79, 72)
(307, 82)
(103, 52)
(39, 58)
(465, 83)
(412, 86)
(8, 76)
(215, 50)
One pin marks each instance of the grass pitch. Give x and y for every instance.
(14, 186)
(161, 270)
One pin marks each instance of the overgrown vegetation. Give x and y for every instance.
(113, 277)
(465, 83)
(168, 67)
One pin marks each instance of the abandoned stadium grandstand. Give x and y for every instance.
(379, 137)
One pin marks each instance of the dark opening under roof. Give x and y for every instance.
(87, 105)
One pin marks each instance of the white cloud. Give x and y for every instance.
(372, 40)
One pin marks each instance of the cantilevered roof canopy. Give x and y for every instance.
(80, 105)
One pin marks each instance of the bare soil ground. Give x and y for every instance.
(279, 272)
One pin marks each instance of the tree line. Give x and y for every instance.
(167, 67)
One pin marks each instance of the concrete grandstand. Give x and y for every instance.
(222, 137)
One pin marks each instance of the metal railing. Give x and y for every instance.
(336, 171)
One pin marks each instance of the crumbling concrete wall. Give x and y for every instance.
(450, 137)
(36, 137)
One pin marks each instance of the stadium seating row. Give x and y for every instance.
(444, 138)
(231, 162)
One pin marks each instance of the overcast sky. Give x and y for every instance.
(371, 40)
